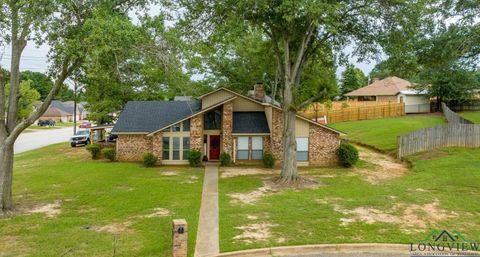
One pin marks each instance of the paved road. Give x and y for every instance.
(37, 139)
(352, 255)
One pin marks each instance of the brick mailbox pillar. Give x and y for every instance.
(179, 238)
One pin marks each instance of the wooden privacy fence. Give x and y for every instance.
(458, 132)
(453, 117)
(455, 134)
(352, 113)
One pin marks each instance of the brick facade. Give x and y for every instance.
(227, 125)
(132, 147)
(157, 146)
(277, 135)
(323, 146)
(196, 132)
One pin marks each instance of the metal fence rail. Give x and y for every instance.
(458, 132)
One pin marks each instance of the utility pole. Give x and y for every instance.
(75, 88)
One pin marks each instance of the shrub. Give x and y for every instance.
(149, 160)
(225, 159)
(109, 153)
(94, 150)
(345, 105)
(194, 158)
(348, 154)
(268, 160)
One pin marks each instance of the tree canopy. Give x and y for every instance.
(352, 79)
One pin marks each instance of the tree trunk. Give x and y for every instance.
(6, 172)
(289, 167)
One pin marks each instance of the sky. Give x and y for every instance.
(34, 57)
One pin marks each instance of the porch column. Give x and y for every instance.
(227, 125)
(196, 133)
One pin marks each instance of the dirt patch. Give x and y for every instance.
(229, 172)
(386, 167)
(11, 246)
(50, 210)
(433, 154)
(125, 227)
(157, 212)
(190, 180)
(170, 173)
(410, 217)
(255, 232)
(115, 228)
(126, 188)
(269, 187)
(86, 209)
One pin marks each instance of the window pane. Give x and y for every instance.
(176, 148)
(186, 147)
(166, 148)
(257, 143)
(243, 143)
(257, 154)
(302, 144)
(242, 154)
(186, 125)
(176, 127)
(302, 156)
(212, 120)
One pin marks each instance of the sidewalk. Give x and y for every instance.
(207, 234)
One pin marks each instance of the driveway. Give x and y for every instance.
(40, 138)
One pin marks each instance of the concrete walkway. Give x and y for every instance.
(207, 234)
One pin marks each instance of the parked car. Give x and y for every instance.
(85, 124)
(112, 138)
(43, 123)
(82, 137)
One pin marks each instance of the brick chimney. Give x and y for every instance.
(259, 91)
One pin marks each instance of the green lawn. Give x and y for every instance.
(99, 203)
(443, 184)
(473, 116)
(383, 133)
(57, 126)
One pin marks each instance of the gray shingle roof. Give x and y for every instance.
(250, 122)
(65, 107)
(148, 116)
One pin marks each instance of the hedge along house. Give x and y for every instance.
(245, 127)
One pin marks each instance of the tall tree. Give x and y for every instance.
(352, 79)
(140, 64)
(61, 24)
(297, 30)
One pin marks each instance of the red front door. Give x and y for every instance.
(214, 147)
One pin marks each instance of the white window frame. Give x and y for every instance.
(303, 144)
(257, 146)
(241, 147)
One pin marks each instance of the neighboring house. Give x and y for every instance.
(60, 111)
(220, 121)
(81, 111)
(393, 89)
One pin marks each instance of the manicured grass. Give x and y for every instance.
(57, 126)
(383, 133)
(92, 195)
(311, 216)
(473, 116)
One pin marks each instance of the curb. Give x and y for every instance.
(315, 249)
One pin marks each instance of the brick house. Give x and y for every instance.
(246, 127)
